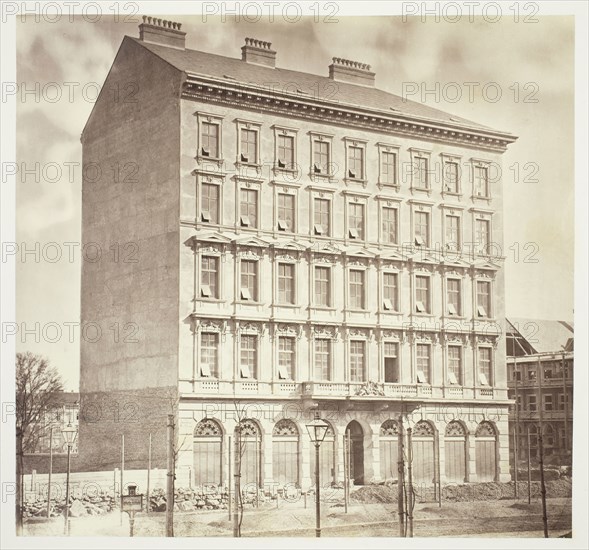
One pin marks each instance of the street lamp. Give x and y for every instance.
(69, 434)
(317, 431)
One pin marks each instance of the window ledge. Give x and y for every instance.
(360, 181)
(209, 300)
(290, 306)
(218, 161)
(385, 184)
(249, 303)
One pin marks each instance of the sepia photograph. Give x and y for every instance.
(294, 270)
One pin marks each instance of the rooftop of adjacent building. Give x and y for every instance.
(538, 336)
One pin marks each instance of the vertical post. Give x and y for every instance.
(229, 477)
(147, 503)
(131, 522)
(515, 450)
(543, 485)
(19, 481)
(122, 473)
(516, 434)
(410, 475)
(565, 404)
(170, 480)
(236, 477)
(50, 472)
(349, 461)
(317, 494)
(438, 463)
(66, 527)
(400, 479)
(346, 486)
(529, 469)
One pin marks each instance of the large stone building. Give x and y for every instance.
(288, 243)
(540, 380)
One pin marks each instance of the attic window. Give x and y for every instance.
(395, 109)
(229, 77)
(453, 119)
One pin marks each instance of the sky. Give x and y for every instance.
(534, 75)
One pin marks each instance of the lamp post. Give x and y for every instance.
(317, 431)
(69, 434)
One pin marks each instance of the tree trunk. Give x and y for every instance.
(19, 487)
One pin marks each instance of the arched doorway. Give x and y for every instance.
(389, 444)
(285, 453)
(423, 453)
(486, 452)
(356, 452)
(326, 458)
(208, 453)
(248, 449)
(455, 452)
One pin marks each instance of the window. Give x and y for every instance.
(249, 280)
(249, 208)
(321, 157)
(249, 146)
(482, 236)
(548, 404)
(209, 274)
(391, 363)
(531, 374)
(389, 225)
(286, 273)
(209, 345)
(357, 289)
(286, 212)
(356, 220)
(548, 374)
(561, 401)
(452, 232)
(322, 359)
(451, 177)
(455, 364)
(483, 299)
(421, 172)
(286, 357)
(388, 167)
(209, 140)
(481, 181)
(357, 360)
(423, 363)
(517, 375)
(286, 158)
(322, 217)
(355, 162)
(422, 294)
(421, 228)
(390, 291)
(485, 366)
(249, 356)
(454, 304)
(532, 405)
(209, 195)
(322, 286)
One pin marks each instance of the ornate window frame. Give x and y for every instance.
(243, 166)
(351, 142)
(323, 175)
(388, 148)
(217, 120)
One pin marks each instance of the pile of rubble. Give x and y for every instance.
(191, 500)
(79, 507)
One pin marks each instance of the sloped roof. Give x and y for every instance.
(545, 336)
(221, 67)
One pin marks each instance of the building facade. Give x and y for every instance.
(303, 244)
(540, 383)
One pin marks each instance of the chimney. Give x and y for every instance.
(353, 72)
(258, 52)
(162, 32)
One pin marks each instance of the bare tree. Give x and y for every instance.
(37, 385)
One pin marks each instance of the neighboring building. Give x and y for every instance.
(540, 381)
(289, 242)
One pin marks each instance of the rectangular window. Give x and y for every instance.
(485, 366)
(249, 356)
(454, 299)
(391, 363)
(388, 170)
(357, 360)
(421, 166)
(286, 357)
(209, 196)
(422, 294)
(561, 401)
(286, 282)
(322, 286)
(356, 221)
(423, 363)
(532, 405)
(322, 217)
(209, 345)
(453, 232)
(322, 359)
(481, 181)
(482, 236)
(455, 365)
(421, 228)
(321, 157)
(531, 374)
(209, 277)
(286, 212)
(390, 291)
(389, 225)
(548, 404)
(286, 152)
(249, 280)
(248, 208)
(249, 146)
(355, 162)
(451, 177)
(209, 140)
(483, 299)
(357, 289)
